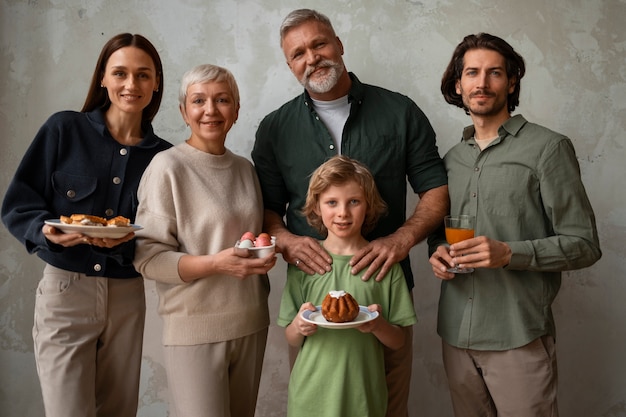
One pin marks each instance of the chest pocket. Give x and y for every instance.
(506, 190)
(73, 188)
(379, 153)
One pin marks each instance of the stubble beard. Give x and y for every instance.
(485, 110)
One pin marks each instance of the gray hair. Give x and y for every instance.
(298, 17)
(205, 73)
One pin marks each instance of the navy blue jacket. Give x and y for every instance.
(75, 166)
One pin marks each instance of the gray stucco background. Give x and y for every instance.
(575, 52)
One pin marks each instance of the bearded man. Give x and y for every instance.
(385, 130)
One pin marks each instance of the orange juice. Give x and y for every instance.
(456, 235)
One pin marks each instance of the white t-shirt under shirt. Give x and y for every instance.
(334, 114)
(483, 143)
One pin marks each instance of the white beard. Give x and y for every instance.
(325, 84)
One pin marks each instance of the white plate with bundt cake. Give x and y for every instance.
(317, 318)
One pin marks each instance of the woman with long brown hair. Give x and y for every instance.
(90, 304)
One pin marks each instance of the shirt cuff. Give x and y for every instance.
(522, 254)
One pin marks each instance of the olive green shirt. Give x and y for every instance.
(525, 189)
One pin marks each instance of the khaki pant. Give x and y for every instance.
(398, 368)
(519, 382)
(215, 379)
(88, 336)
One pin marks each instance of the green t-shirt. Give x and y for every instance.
(340, 372)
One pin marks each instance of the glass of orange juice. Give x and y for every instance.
(459, 228)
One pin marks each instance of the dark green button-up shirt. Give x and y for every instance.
(385, 130)
(524, 189)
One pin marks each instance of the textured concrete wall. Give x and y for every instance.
(576, 84)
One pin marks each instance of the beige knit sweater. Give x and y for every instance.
(192, 202)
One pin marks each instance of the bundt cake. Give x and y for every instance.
(339, 307)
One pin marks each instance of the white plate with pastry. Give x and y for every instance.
(317, 318)
(110, 232)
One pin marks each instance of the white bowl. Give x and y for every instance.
(262, 251)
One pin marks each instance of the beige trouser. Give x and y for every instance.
(88, 336)
(215, 379)
(398, 368)
(520, 382)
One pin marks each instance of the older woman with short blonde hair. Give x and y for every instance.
(195, 201)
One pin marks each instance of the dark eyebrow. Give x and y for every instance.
(125, 68)
(488, 69)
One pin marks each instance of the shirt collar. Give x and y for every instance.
(511, 127)
(96, 119)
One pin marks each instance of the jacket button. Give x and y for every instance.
(70, 193)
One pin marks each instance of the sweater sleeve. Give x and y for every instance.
(157, 253)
